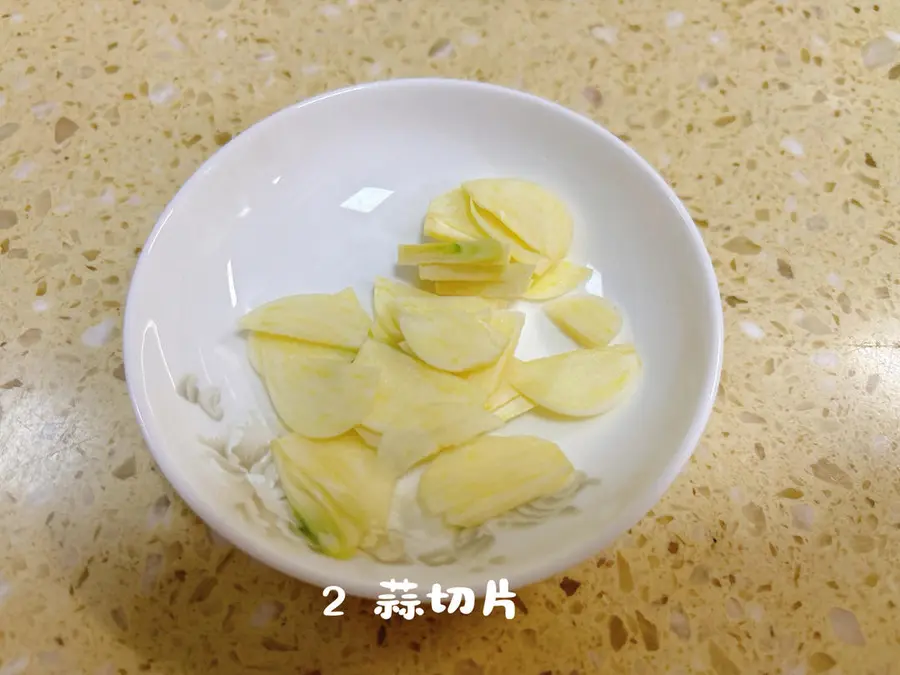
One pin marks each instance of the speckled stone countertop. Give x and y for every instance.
(776, 551)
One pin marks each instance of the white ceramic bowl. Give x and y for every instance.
(289, 207)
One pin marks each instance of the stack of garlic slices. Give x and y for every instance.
(426, 382)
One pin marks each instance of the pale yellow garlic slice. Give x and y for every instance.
(383, 295)
(442, 232)
(489, 476)
(377, 332)
(408, 389)
(452, 340)
(331, 319)
(448, 218)
(430, 429)
(510, 324)
(514, 285)
(531, 212)
(390, 295)
(338, 491)
(369, 437)
(464, 272)
(590, 320)
(518, 405)
(317, 397)
(563, 277)
(519, 251)
(257, 343)
(478, 252)
(405, 348)
(580, 383)
(503, 394)
(401, 449)
(436, 304)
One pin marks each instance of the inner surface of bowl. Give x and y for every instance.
(317, 197)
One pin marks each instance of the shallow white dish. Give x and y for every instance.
(316, 198)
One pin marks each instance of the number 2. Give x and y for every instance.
(332, 610)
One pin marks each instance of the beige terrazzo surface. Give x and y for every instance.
(777, 122)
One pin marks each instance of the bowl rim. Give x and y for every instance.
(526, 573)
